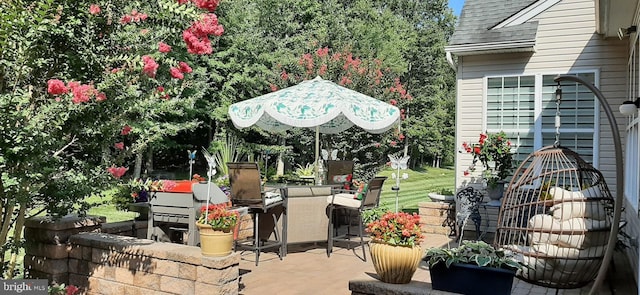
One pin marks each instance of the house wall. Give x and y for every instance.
(566, 42)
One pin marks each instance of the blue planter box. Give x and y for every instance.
(471, 279)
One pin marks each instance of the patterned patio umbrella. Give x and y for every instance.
(318, 104)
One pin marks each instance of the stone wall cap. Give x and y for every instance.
(367, 283)
(67, 222)
(169, 251)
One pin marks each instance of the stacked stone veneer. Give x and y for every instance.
(101, 263)
(46, 248)
(437, 217)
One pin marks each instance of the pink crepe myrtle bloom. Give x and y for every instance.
(94, 9)
(125, 130)
(117, 172)
(56, 87)
(184, 67)
(101, 96)
(119, 145)
(72, 290)
(163, 47)
(150, 66)
(176, 73)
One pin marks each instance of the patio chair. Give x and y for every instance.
(247, 191)
(467, 205)
(337, 171)
(349, 202)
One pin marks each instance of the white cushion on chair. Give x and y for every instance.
(272, 197)
(347, 200)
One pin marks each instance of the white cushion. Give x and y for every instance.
(346, 200)
(272, 197)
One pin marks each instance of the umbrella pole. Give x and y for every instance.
(317, 153)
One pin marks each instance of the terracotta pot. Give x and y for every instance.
(215, 242)
(395, 264)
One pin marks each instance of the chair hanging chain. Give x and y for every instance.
(557, 123)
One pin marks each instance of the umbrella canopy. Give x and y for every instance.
(318, 104)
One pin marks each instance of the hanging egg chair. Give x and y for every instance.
(559, 216)
(556, 216)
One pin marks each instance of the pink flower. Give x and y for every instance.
(72, 290)
(163, 47)
(82, 93)
(393, 143)
(117, 172)
(284, 75)
(176, 73)
(125, 19)
(101, 96)
(377, 144)
(273, 87)
(321, 52)
(56, 87)
(184, 67)
(150, 66)
(115, 70)
(210, 5)
(94, 9)
(401, 137)
(466, 172)
(160, 89)
(119, 145)
(197, 35)
(393, 102)
(125, 130)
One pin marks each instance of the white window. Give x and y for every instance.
(525, 108)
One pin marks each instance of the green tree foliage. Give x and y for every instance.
(407, 36)
(86, 85)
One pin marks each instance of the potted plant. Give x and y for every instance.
(395, 244)
(215, 224)
(493, 151)
(306, 172)
(472, 268)
(442, 195)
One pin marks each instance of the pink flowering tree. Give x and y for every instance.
(366, 75)
(87, 87)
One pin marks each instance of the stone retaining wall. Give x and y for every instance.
(74, 251)
(437, 217)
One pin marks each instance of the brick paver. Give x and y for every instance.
(308, 270)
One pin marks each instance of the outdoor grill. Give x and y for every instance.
(172, 215)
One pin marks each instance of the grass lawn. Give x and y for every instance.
(412, 191)
(415, 189)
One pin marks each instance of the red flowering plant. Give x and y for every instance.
(493, 151)
(368, 75)
(397, 229)
(218, 216)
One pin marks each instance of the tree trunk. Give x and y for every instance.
(138, 166)
(149, 162)
(17, 236)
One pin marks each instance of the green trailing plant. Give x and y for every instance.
(473, 252)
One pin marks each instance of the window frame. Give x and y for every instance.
(537, 112)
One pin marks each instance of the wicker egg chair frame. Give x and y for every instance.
(559, 215)
(556, 215)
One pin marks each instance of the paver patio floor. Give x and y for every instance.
(307, 270)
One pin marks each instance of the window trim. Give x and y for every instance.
(537, 125)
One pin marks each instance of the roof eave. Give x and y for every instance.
(492, 47)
